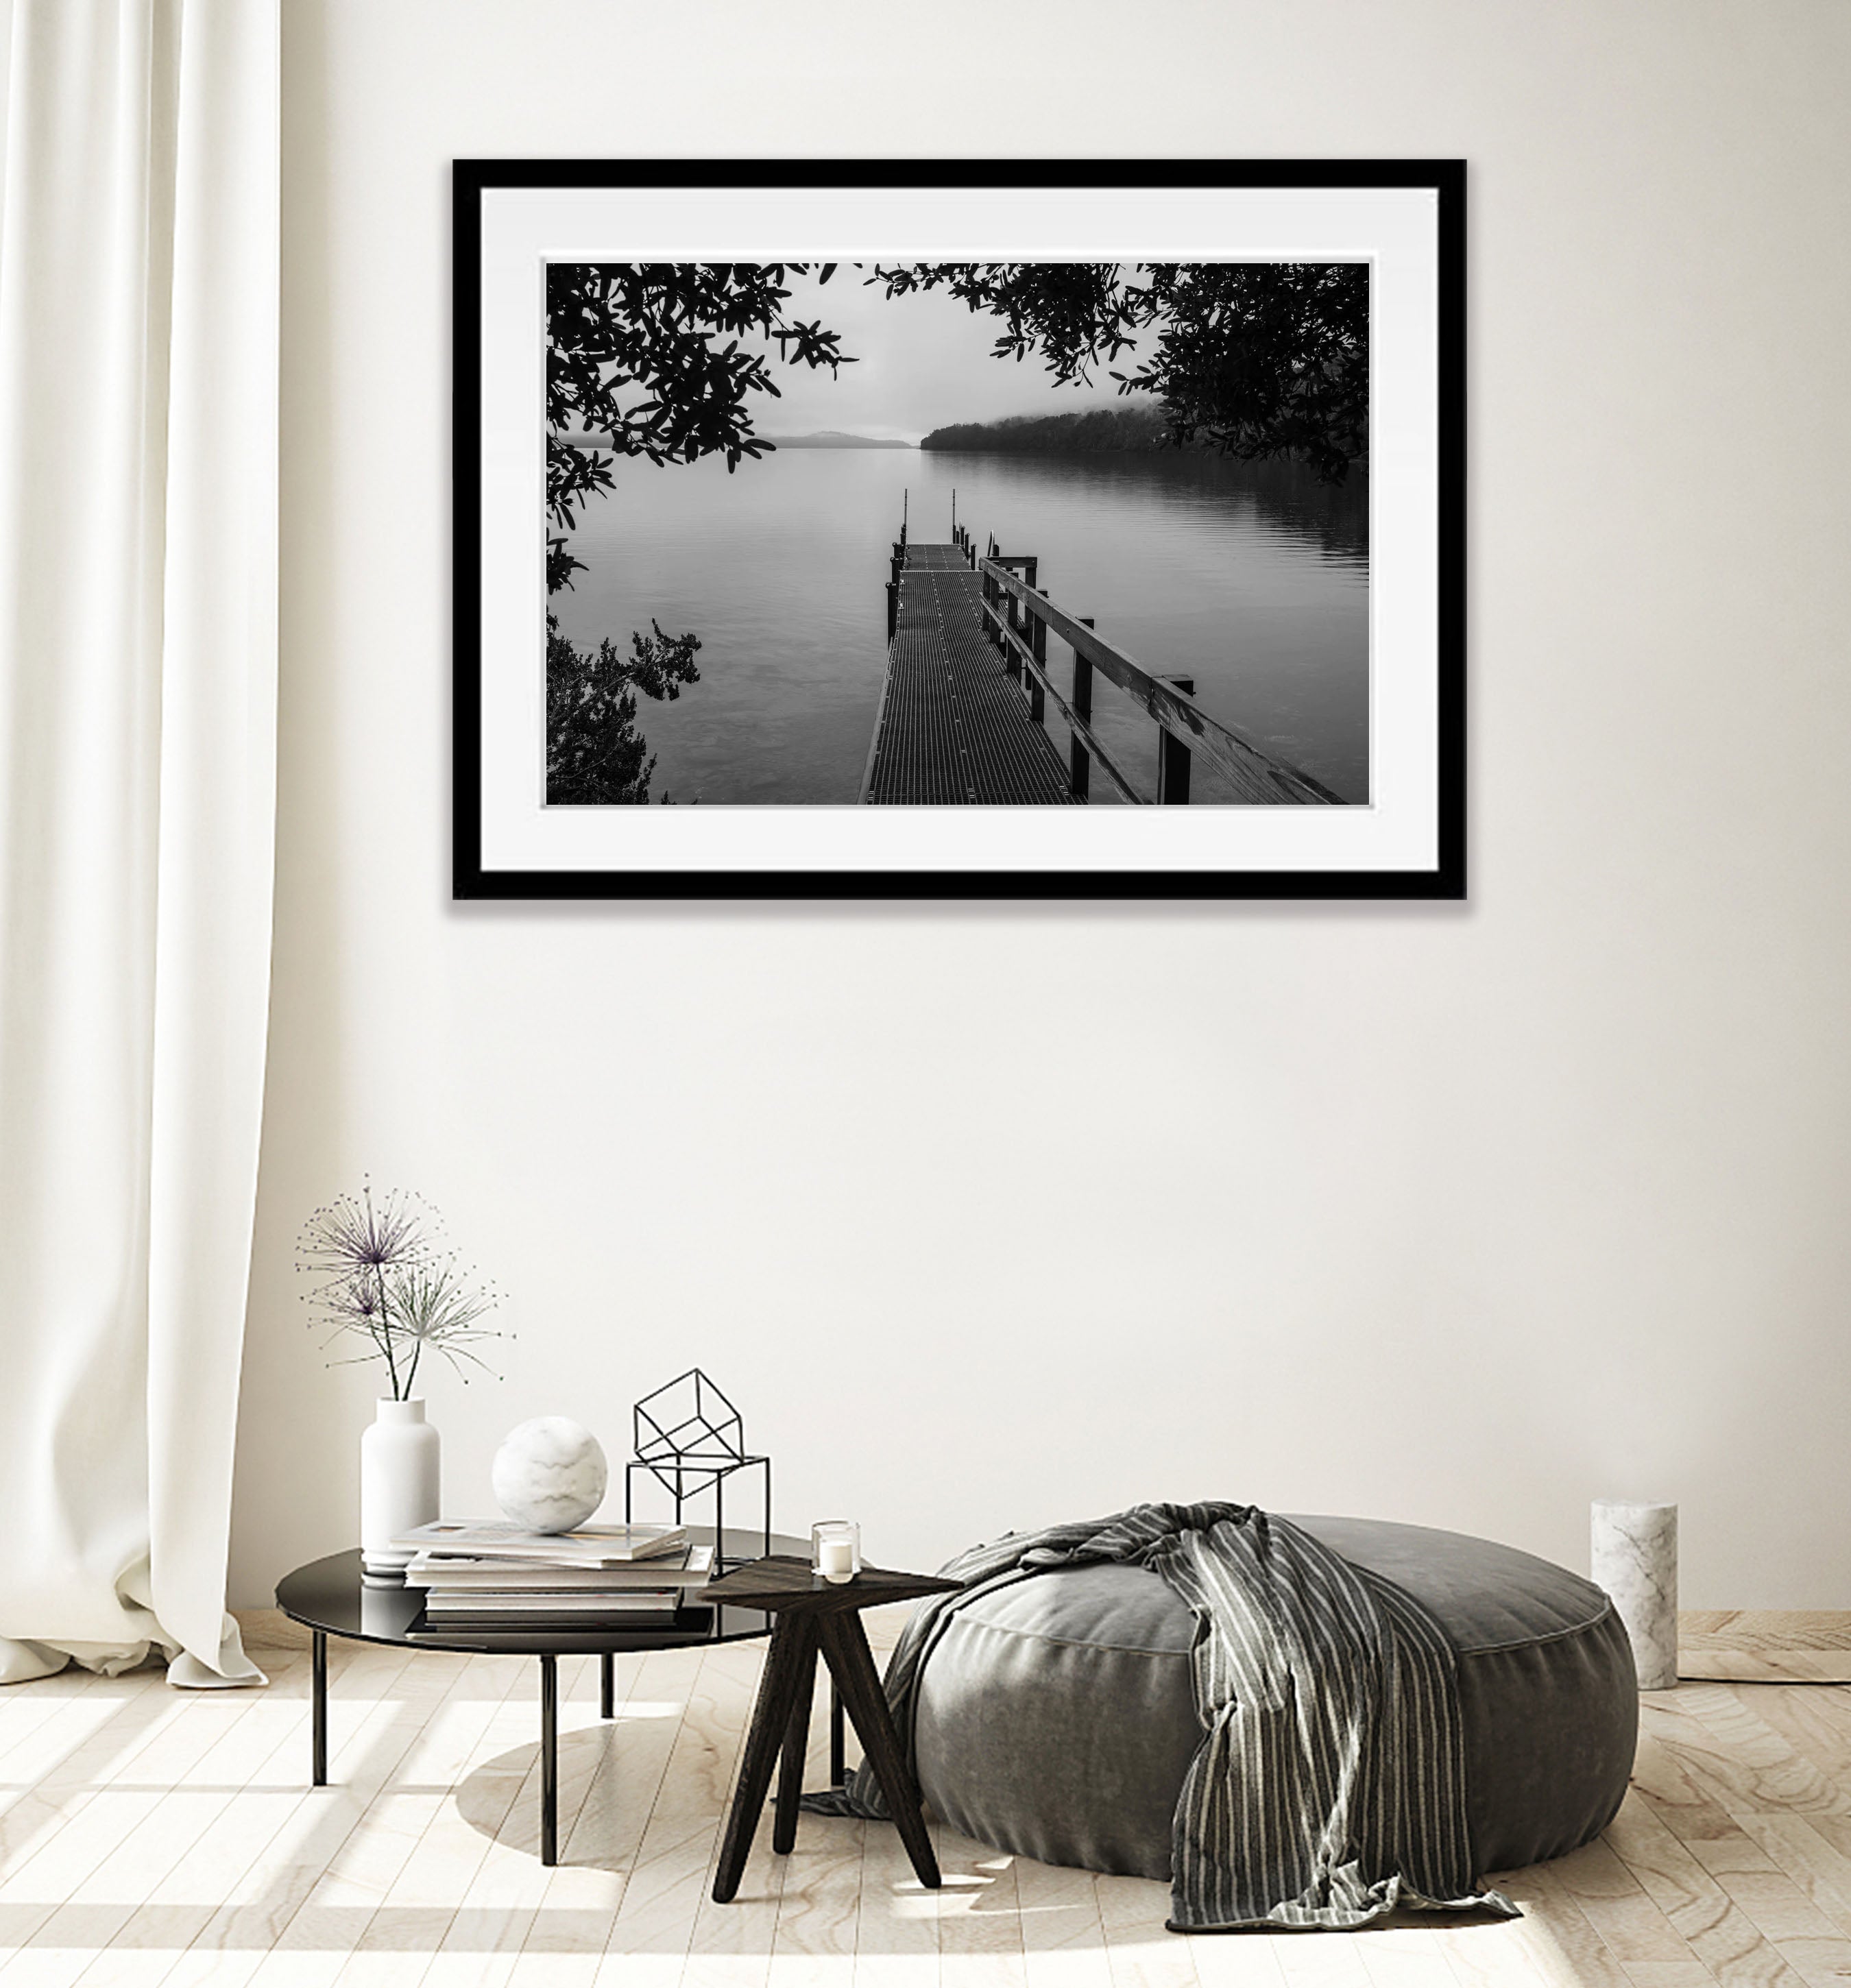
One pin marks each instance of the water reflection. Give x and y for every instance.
(1252, 578)
(1277, 495)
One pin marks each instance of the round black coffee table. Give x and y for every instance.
(332, 1597)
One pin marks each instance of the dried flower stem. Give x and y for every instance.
(383, 1278)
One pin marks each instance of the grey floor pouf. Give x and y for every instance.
(1055, 1717)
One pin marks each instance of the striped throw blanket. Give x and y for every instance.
(1329, 1786)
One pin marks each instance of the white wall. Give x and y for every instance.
(993, 1216)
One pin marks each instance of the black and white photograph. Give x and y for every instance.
(822, 535)
(1175, 455)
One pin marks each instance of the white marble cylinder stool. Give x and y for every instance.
(1634, 1558)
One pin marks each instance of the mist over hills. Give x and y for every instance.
(831, 438)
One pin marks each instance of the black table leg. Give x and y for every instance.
(764, 1740)
(318, 1710)
(838, 1751)
(549, 1759)
(606, 1685)
(844, 1643)
(797, 1744)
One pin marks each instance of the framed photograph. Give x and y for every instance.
(959, 530)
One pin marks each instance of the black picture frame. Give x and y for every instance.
(477, 874)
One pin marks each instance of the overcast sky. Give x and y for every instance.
(922, 362)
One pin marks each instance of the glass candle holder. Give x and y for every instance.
(835, 1548)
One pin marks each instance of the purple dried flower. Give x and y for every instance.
(382, 1277)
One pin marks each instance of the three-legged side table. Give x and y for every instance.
(815, 1618)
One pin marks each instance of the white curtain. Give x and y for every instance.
(139, 278)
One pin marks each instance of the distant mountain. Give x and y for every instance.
(822, 438)
(1139, 426)
(831, 438)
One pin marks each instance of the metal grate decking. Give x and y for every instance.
(953, 727)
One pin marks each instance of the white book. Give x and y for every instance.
(584, 1545)
(441, 1574)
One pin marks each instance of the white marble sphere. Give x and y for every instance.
(549, 1474)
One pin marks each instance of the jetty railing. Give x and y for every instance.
(1017, 617)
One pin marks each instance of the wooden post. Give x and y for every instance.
(1079, 761)
(1012, 663)
(1020, 620)
(893, 608)
(1038, 643)
(1172, 758)
(904, 494)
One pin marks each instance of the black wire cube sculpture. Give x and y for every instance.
(691, 1439)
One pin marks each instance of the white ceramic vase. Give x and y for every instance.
(399, 1469)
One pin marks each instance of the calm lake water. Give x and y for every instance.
(1250, 577)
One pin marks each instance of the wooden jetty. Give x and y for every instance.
(968, 688)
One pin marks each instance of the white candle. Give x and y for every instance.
(835, 1560)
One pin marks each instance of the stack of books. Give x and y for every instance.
(482, 1574)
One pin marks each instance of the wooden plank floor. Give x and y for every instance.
(953, 728)
(149, 1836)
(1765, 1646)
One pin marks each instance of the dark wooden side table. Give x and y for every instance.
(812, 1617)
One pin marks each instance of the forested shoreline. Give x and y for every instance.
(1098, 431)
